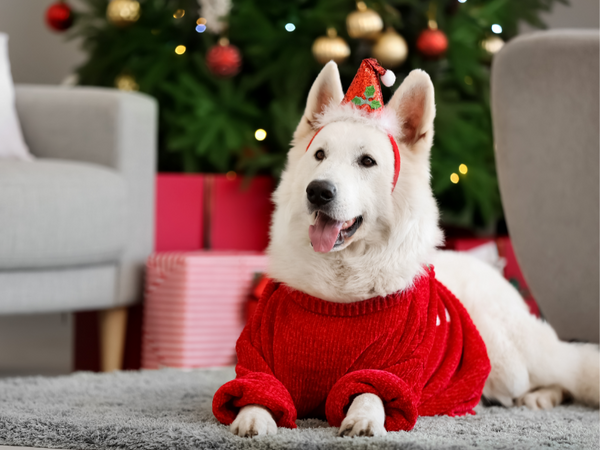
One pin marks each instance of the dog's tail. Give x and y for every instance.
(573, 366)
(581, 373)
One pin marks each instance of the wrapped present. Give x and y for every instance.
(208, 211)
(238, 213)
(195, 307)
(179, 212)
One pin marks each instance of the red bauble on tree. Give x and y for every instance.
(432, 42)
(224, 60)
(59, 16)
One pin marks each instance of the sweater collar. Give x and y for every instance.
(369, 306)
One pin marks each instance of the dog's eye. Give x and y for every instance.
(367, 161)
(320, 155)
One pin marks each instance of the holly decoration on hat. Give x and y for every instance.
(59, 16)
(369, 94)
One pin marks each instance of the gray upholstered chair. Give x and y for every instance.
(77, 223)
(545, 112)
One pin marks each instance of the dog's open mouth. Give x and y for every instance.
(328, 233)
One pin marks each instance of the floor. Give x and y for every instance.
(39, 344)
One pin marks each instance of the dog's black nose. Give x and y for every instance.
(320, 192)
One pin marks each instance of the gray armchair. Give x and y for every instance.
(545, 111)
(77, 223)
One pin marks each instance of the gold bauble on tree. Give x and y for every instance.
(123, 12)
(492, 44)
(326, 48)
(364, 23)
(390, 49)
(126, 82)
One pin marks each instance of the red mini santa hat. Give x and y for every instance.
(365, 91)
(365, 94)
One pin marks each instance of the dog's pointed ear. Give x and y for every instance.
(326, 89)
(414, 106)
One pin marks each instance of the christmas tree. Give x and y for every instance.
(232, 78)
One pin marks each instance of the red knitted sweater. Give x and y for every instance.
(304, 357)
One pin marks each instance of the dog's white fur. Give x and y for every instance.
(398, 236)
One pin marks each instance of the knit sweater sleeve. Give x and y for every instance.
(255, 383)
(395, 386)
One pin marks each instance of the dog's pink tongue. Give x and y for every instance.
(324, 233)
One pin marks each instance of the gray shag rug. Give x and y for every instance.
(172, 409)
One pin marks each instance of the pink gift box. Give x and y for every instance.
(194, 307)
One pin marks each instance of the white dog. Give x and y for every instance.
(385, 239)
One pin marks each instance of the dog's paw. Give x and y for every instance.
(253, 420)
(543, 398)
(365, 417)
(361, 426)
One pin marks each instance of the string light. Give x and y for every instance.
(180, 49)
(201, 21)
(260, 134)
(290, 27)
(179, 13)
(496, 28)
(454, 178)
(462, 1)
(463, 169)
(200, 28)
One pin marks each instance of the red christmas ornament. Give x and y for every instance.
(59, 16)
(432, 43)
(224, 60)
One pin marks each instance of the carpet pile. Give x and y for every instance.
(172, 409)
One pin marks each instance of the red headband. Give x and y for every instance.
(396, 156)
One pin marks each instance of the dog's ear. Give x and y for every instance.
(414, 106)
(326, 89)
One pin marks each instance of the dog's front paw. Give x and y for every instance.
(253, 420)
(361, 426)
(365, 417)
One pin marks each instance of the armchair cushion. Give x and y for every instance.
(58, 213)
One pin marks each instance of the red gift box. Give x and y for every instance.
(179, 211)
(216, 212)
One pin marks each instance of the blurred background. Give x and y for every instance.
(231, 79)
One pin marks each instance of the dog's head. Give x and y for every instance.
(340, 221)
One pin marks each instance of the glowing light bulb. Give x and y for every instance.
(463, 169)
(496, 28)
(290, 27)
(260, 134)
(200, 28)
(454, 178)
(179, 13)
(201, 21)
(180, 49)
(462, 1)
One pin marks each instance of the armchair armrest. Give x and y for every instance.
(106, 127)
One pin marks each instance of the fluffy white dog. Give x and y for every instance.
(383, 240)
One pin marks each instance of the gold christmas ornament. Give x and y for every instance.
(492, 44)
(390, 49)
(123, 12)
(126, 82)
(364, 23)
(326, 48)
